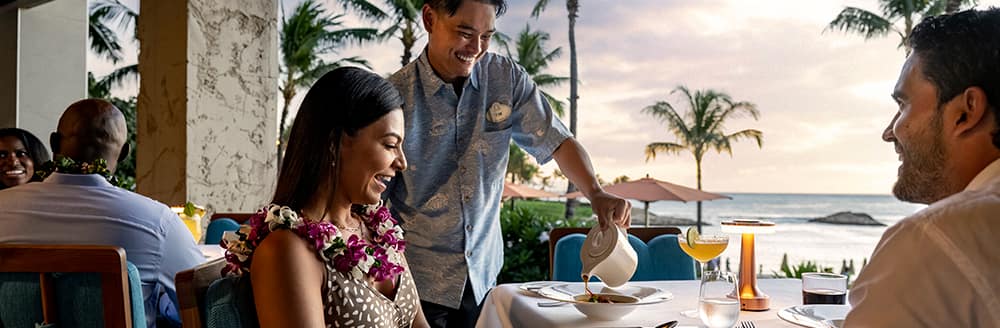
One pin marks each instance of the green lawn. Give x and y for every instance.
(553, 209)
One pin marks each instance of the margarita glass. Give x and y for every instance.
(702, 248)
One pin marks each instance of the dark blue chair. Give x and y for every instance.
(659, 256)
(213, 234)
(84, 286)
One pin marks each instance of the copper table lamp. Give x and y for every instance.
(751, 298)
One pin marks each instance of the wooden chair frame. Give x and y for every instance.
(643, 233)
(191, 287)
(108, 261)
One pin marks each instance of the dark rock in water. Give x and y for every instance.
(639, 220)
(848, 218)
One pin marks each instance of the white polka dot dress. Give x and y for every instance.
(350, 302)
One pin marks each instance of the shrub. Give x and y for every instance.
(526, 242)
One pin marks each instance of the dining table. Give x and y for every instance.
(509, 305)
(211, 251)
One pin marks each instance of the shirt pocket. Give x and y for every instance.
(498, 117)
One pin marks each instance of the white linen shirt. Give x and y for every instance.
(84, 209)
(939, 267)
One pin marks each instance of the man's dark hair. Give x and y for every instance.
(340, 103)
(959, 51)
(451, 6)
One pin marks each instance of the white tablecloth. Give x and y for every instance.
(509, 306)
(211, 252)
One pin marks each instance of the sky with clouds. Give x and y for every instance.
(823, 96)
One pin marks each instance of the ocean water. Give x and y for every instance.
(826, 244)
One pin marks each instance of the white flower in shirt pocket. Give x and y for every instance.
(498, 112)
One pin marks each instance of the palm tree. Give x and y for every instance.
(572, 9)
(404, 16)
(871, 25)
(533, 56)
(305, 35)
(519, 167)
(702, 128)
(105, 42)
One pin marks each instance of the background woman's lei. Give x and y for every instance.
(381, 260)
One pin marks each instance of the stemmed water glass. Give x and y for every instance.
(702, 248)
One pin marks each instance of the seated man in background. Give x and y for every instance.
(938, 267)
(76, 204)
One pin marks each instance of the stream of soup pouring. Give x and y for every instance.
(591, 297)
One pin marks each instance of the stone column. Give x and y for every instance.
(43, 62)
(207, 102)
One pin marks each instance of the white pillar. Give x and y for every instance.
(207, 102)
(43, 62)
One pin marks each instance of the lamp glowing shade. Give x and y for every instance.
(751, 298)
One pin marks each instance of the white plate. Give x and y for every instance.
(646, 295)
(534, 286)
(815, 315)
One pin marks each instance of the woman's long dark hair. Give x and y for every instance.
(36, 149)
(341, 102)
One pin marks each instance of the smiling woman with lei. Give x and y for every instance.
(315, 257)
(380, 260)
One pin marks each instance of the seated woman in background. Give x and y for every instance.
(20, 151)
(316, 256)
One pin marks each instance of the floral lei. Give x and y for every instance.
(380, 260)
(63, 164)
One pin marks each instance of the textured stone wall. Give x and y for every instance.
(232, 90)
(218, 99)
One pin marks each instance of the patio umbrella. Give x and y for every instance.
(513, 190)
(650, 190)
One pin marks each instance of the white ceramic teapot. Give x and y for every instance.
(608, 255)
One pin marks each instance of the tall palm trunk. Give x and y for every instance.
(697, 163)
(908, 26)
(952, 6)
(288, 93)
(572, 7)
(408, 38)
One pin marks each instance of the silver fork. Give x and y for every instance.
(747, 324)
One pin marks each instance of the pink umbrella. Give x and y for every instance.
(650, 190)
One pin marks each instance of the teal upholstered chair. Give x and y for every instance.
(229, 304)
(69, 286)
(213, 234)
(209, 300)
(659, 256)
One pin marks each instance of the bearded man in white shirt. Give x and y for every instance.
(939, 267)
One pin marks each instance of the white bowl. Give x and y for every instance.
(623, 304)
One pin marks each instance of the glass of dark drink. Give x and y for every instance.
(824, 288)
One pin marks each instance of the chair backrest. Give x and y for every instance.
(229, 304)
(240, 218)
(213, 234)
(659, 259)
(644, 234)
(56, 284)
(191, 287)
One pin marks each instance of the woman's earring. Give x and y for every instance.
(333, 164)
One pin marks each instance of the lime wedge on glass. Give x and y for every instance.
(692, 236)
